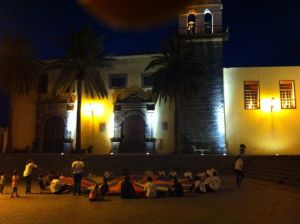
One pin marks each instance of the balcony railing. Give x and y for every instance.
(202, 30)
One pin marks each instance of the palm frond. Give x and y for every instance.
(19, 70)
(176, 71)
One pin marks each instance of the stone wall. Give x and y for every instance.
(204, 114)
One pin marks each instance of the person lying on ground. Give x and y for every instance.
(57, 187)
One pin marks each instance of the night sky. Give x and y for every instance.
(263, 33)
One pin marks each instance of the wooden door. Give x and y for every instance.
(53, 135)
(133, 132)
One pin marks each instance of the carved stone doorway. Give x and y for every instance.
(133, 132)
(53, 135)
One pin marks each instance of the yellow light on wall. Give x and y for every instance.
(95, 109)
(270, 105)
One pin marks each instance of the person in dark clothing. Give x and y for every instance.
(127, 190)
(177, 189)
(104, 187)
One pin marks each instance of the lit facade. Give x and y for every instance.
(273, 126)
(255, 106)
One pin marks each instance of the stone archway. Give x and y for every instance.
(133, 135)
(53, 135)
(208, 21)
(133, 131)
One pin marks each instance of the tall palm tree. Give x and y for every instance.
(19, 73)
(177, 74)
(79, 70)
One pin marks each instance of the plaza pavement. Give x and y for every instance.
(255, 202)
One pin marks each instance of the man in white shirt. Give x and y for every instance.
(238, 167)
(30, 165)
(77, 169)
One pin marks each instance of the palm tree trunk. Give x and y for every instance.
(177, 124)
(78, 117)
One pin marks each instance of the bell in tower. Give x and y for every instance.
(201, 17)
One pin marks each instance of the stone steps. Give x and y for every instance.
(279, 169)
(118, 163)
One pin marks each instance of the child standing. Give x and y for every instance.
(14, 184)
(2, 179)
(150, 188)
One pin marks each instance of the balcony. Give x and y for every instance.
(204, 32)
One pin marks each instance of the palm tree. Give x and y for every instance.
(19, 73)
(79, 70)
(177, 75)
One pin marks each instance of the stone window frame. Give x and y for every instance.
(251, 95)
(120, 75)
(287, 94)
(143, 83)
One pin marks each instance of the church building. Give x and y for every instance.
(255, 106)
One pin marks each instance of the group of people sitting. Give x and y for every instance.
(204, 181)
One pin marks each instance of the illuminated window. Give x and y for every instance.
(147, 80)
(287, 94)
(251, 95)
(117, 81)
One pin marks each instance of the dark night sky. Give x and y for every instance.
(263, 33)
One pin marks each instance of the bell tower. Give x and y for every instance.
(203, 116)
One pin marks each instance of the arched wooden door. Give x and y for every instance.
(133, 132)
(53, 135)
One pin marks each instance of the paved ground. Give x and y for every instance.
(256, 202)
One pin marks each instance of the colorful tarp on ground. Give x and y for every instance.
(138, 182)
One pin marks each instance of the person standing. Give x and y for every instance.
(238, 167)
(2, 179)
(77, 170)
(30, 165)
(14, 184)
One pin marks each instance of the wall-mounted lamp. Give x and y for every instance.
(270, 105)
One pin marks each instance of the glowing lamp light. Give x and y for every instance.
(147, 153)
(62, 154)
(111, 153)
(276, 154)
(96, 109)
(224, 154)
(270, 105)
